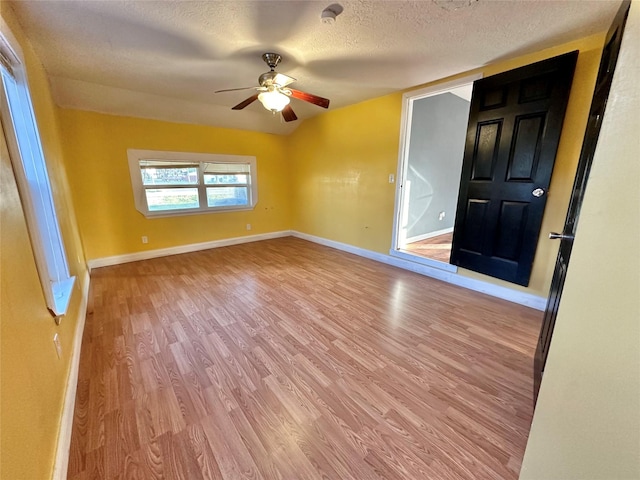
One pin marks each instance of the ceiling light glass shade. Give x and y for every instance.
(274, 100)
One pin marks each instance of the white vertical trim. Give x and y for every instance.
(61, 462)
(405, 140)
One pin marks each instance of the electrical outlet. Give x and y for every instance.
(441, 216)
(56, 342)
(248, 226)
(392, 178)
(145, 239)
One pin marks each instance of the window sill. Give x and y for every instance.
(62, 295)
(194, 211)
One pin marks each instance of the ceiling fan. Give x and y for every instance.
(274, 91)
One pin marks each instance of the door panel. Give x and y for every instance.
(513, 221)
(477, 211)
(536, 88)
(514, 129)
(524, 157)
(493, 97)
(596, 113)
(486, 153)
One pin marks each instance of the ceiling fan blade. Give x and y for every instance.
(283, 80)
(288, 114)
(233, 89)
(246, 102)
(308, 97)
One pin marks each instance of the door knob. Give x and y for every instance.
(560, 236)
(538, 192)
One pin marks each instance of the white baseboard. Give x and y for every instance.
(410, 257)
(515, 296)
(424, 236)
(444, 274)
(192, 247)
(61, 464)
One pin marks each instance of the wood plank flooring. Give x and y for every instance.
(285, 359)
(435, 248)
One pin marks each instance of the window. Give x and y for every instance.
(32, 178)
(180, 183)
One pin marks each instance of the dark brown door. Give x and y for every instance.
(598, 104)
(514, 129)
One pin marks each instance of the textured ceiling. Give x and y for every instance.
(164, 59)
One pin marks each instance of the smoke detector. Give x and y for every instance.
(329, 14)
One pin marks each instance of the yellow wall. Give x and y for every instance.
(328, 179)
(341, 162)
(33, 379)
(97, 165)
(587, 421)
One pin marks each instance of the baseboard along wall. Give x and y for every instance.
(66, 421)
(511, 295)
(515, 296)
(424, 236)
(192, 247)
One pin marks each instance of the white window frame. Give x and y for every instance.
(30, 170)
(136, 156)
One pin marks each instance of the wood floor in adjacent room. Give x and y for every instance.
(435, 248)
(284, 359)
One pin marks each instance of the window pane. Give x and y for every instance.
(225, 179)
(227, 196)
(172, 198)
(169, 176)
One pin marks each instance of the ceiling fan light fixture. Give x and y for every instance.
(274, 101)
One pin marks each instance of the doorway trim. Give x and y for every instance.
(403, 159)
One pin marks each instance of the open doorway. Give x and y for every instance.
(434, 128)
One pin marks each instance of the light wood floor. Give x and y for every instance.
(284, 359)
(435, 248)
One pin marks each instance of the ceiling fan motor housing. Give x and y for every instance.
(267, 79)
(271, 59)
